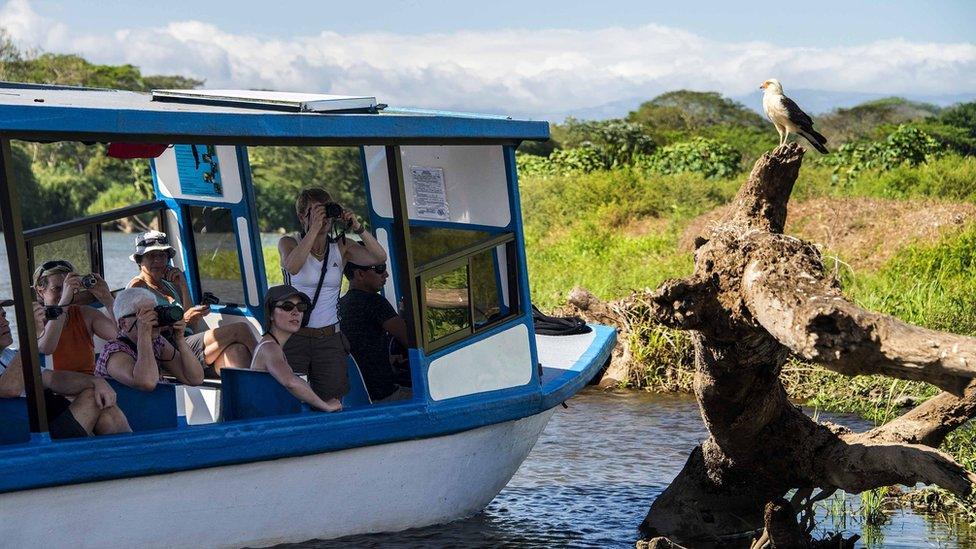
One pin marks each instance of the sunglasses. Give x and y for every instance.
(288, 306)
(153, 242)
(56, 264)
(378, 269)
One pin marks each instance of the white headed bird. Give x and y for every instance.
(786, 115)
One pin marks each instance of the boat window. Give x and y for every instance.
(486, 287)
(467, 290)
(75, 249)
(218, 260)
(429, 243)
(446, 303)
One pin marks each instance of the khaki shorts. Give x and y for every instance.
(324, 358)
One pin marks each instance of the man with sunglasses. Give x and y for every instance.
(67, 337)
(369, 321)
(91, 409)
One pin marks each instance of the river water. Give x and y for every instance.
(595, 471)
(593, 474)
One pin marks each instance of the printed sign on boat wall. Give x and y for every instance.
(429, 193)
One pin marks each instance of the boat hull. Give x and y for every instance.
(382, 488)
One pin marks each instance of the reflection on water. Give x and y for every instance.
(594, 473)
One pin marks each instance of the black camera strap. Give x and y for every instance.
(325, 267)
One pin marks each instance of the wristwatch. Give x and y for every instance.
(360, 230)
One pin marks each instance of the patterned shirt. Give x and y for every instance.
(120, 345)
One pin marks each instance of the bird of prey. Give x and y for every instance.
(786, 115)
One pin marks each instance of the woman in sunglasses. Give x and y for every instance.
(313, 264)
(285, 309)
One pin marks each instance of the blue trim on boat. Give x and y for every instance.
(515, 206)
(33, 465)
(569, 382)
(166, 126)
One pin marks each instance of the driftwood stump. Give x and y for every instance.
(756, 298)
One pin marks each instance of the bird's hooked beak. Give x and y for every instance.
(763, 85)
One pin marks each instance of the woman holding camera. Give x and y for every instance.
(228, 345)
(69, 325)
(138, 354)
(313, 263)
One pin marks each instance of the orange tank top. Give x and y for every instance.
(76, 350)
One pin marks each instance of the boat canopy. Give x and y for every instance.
(44, 113)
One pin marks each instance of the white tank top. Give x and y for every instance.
(326, 311)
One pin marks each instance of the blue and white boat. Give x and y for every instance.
(443, 199)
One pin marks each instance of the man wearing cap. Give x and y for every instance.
(67, 334)
(92, 408)
(228, 345)
(369, 321)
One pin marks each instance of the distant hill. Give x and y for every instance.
(813, 101)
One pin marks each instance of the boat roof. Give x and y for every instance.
(50, 113)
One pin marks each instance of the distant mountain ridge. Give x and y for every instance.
(812, 101)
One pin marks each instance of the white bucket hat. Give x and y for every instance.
(151, 241)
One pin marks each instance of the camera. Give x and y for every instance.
(333, 210)
(167, 315)
(89, 281)
(209, 299)
(52, 312)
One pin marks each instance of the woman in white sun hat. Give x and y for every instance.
(228, 345)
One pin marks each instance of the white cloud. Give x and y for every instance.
(517, 71)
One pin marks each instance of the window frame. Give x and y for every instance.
(91, 226)
(190, 246)
(465, 257)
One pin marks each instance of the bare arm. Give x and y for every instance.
(12, 379)
(142, 374)
(369, 241)
(72, 383)
(274, 359)
(48, 341)
(104, 295)
(397, 328)
(183, 365)
(100, 324)
(293, 254)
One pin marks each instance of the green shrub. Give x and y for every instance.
(906, 145)
(709, 157)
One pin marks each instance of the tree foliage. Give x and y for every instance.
(279, 173)
(708, 157)
(906, 145)
(862, 121)
(686, 110)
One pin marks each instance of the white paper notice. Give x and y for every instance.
(429, 193)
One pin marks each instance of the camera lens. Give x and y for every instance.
(89, 281)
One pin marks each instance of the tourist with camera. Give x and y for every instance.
(139, 354)
(228, 345)
(313, 264)
(66, 336)
(91, 409)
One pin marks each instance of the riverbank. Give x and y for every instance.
(901, 242)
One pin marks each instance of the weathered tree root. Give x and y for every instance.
(757, 298)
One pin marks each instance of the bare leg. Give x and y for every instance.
(112, 421)
(84, 409)
(217, 341)
(235, 355)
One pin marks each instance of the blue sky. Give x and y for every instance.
(532, 58)
(815, 23)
